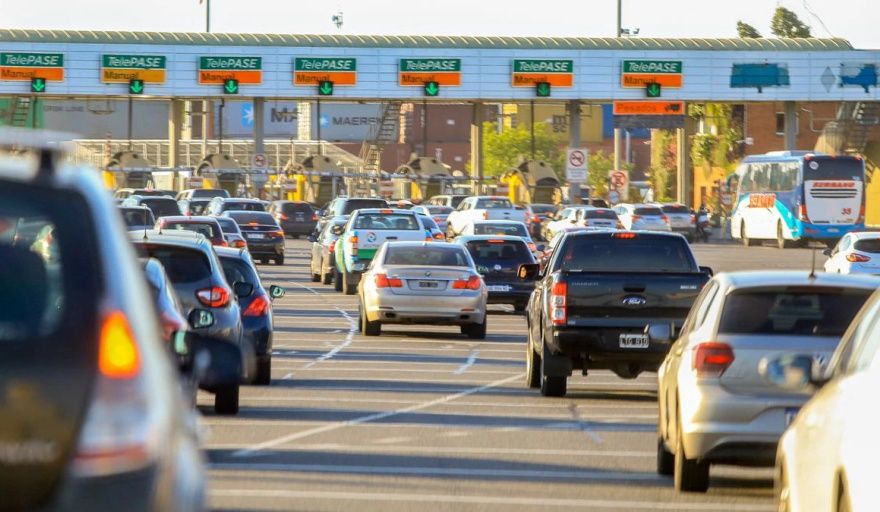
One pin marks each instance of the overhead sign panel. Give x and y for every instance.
(314, 70)
(649, 108)
(217, 70)
(759, 75)
(531, 72)
(125, 68)
(640, 73)
(418, 72)
(25, 66)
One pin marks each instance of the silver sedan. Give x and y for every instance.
(422, 283)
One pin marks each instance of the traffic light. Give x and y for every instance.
(432, 88)
(652, 90)
(230, 86)
(325, 88)
(135, 86)
(38, 84)
(542, 89)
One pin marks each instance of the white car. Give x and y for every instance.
(567, 217)
(481, 208)
(642, 217)
(592, 217)
(500, 227)
(856, 253)
(827, 459)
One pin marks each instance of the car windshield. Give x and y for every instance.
(349, 206)
(204, 228)
(379, 221)
(489, 203)
(429, 223)
(228, 225)
(181, 265)
(500, 229)
(249, 218)
(161, 206)
(648, 210)
(869, 245)
(617, 254)
(487, 251)
(137, 217)
(433, 256)
(198, 206)
(600, 214)
(800, 310)
(248, 206)
(675, 208)
(209, 193)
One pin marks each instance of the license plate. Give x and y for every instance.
(790, 414)
(256, 235)
(427, 284)
(633, 341)
(498, 288)
(300, 218)
(833, 230)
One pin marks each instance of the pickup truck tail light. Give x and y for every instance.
(558, 298)
(472, 283)
(485, 215)
(354, 245)
(712, 359)
(857, 258)
(383, 281)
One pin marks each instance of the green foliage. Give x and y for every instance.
(663, 164)
(501, 151)
(746, 31)
(718, 145)
(786, 23)
(600, 165)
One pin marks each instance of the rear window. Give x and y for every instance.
(434, 256)
(542, 209)
(487, 251)
(600, 214)
(819, 311)
(439, 210)
(676, 208)
(182, 265)
(395, 221)
(359, 204)
(227, 225)
(137, 217)
(209, 193)
(639, 254)
(290, 208)
(198, 206)
(454, 201)
(500, 229)
(237, 270)
(429, 223)
(206, 229)
(161, 206)
(247, 218)
(494, 202)
(830, 168)
(648, 210)
(870, 245)
(246, 206)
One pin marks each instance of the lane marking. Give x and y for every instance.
(371, 417)
(307, 288)
(459, 450)
(472, 358)
(352, 329)
(485, 405)
(287, 376)
(542, 503)
(595, 437)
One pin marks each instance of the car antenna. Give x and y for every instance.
(145, 224)
(813, 266)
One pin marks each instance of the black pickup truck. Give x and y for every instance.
(608, 300)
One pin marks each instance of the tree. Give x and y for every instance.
(504, 150)
(746, 31)
(786, 23)
(664, 164)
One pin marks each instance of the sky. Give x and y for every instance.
(855, 20)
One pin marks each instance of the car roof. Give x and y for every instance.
(240, 199)
(187, 239)
(424, 244)
(230, 252)
(482, 238)
(383, 210)
(500, 221)
(764, 278)
(865, 234)
(138, 207)
(150, 198)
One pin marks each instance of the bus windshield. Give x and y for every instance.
(831, 168)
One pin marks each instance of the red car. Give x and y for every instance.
(207, 226)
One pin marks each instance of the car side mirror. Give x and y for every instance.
(242, 289)
(794, 372)
(659, 332)
(200, 318)
(828, 251)
(276, 292)
(338, 230)
(708, 271)
(527, 271)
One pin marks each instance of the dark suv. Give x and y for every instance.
(296, 218)
(90, 407)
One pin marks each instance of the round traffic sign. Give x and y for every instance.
(577, 158)
(618, 179)
(259, 161)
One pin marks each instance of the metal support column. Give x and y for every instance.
(259, 135)
(425, 128)
(791, 122)
(574, 141)
(477, 141)
(683, 181)
(175, 130)
(130, 119)
(616, 149)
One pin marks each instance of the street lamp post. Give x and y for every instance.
(619, 16)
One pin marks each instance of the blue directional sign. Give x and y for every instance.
(759, 76)
(864, 76)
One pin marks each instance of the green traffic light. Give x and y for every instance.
(325, 88)
(38, 84)
(432, 88)
(542, 89)
(230, 86)
(652, 90)
(136, 86)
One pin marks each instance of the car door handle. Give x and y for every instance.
(390, 238)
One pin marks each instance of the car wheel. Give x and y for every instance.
(327, 278)
(337, 280)
(689, 475)
(264, 372)
(226, 400)
(665, 458)
(370, 328)
(349, 289)
(552, 385)
(279, 260)
(746, 241)
(475, 331)
(533, 365)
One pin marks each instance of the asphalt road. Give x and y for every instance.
(423, 418)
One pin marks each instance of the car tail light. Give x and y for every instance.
(119, 431)
(383, 281)
(221, 243)
(471, 283)
(536, 219)
(486, 215)
(354, 245)
(636, 218)
(624, 236)
(438, 220)
(712, 358)
(332, 246)
(439, 236)
(258, 307)
(665, 219)
(558, 298)
(276, 234)
(857, 258)
(693, 219)
(282, 216)
(239, 244)
(214, 297)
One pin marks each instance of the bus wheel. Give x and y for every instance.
(781, 242)
(746, 241)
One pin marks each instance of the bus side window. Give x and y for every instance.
(745, 185)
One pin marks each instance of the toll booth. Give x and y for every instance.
(219, 170)
(533, 181)
(127, 169)
(421, 178)
(317, 179)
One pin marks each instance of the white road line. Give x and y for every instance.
(366, 419)
(459, 371)
(455, 450)
(287, 376)
(472, 358)
(352, 329)
(304, 287)
(542, 503)
(485, 405)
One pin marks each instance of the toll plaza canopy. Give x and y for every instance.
(198, 65)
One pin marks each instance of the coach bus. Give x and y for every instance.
(793, 197)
